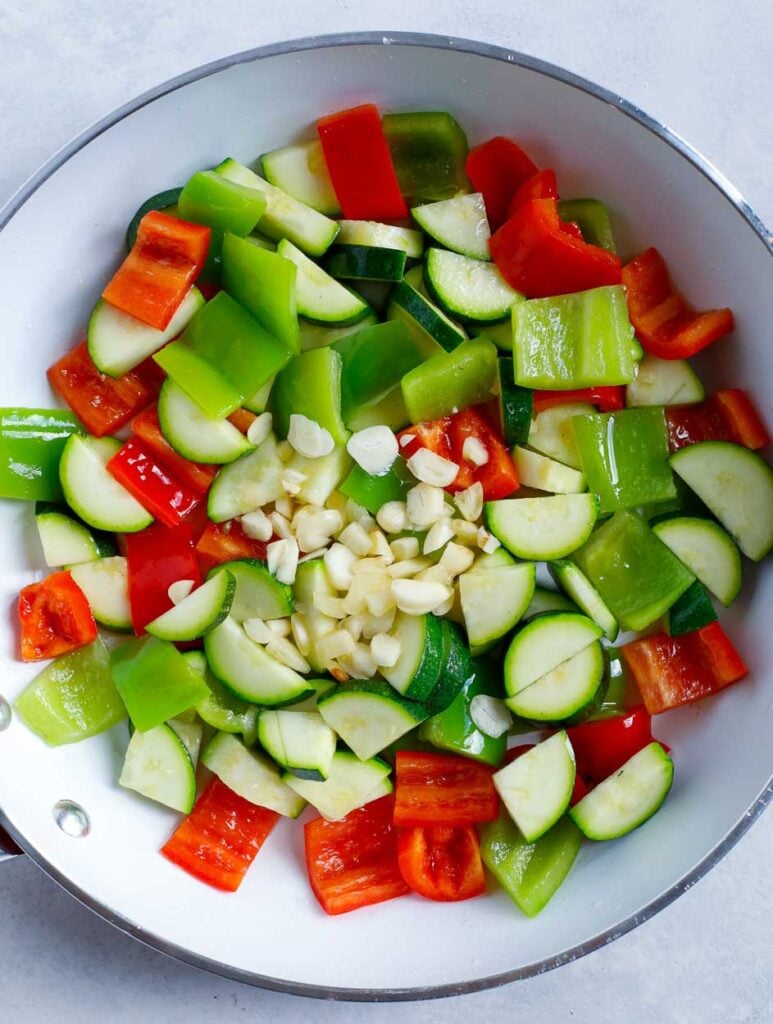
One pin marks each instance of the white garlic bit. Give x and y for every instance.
(179, 590)
(487, 542)
(282, 559)
(491, 715)
(257, 631)
(425, 504)
(257, 525)
(456, 559)
(385, 649)
(437, 535)
(288, 654)
(356, 538)
(309, 438)
(405, 547)
(374, 449)
(416, 597)
(474, 451)
(260, 428)
(431, 468)
(392, 517)
(470, 502)
(340, 563)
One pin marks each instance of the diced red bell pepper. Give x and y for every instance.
(442, 789)
(666, 325)
(360, 164)
(497, 169)
(608, 398)
(581, 787)
(542, 185)
(152, 482)
(220, 838)
(55, 618)
(441, 863)
(537, 257)
(727, 415)
(745, 424)
(352, 863)
(225, 542)
(242, 419)
(601, 747)
(570, 228)
(446, 437)
(103, 404)
(195, 475)
(156, 558)
(674, 670)
(166, 258)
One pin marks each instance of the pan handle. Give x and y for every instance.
(8, 847)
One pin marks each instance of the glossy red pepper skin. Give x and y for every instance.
(666, 325)
(674, 670)
(608, 398)
(225, 542)
(360, 164)
(166, 258)
(55, 618)
(103, 404)
(442, 789)
(152, 482)
(497, 169)
(195, 475)
(727, 415)
(446, 437)
(601, 747)
(352, 863)
(220, 838)
(542, 185)
(537, 257)
(158, 557)
(441, 863)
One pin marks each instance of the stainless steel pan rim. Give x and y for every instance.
(729, 192)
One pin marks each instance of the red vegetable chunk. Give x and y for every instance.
(55, 618)
(727, 415)
(541, 185)
(195, 475)
(152, 482)
(497, 169)
(156, 558)
(601, 747)
(352, 863)
(221, 837)
(442, 789)
(225, 542)
(441, 863)
(607, 398)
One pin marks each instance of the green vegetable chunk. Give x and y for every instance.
(592, 218)
(72, 698)
(375, 360)
(428, 151)
(311, 386)
(374, 491)
(454, 730)
(31, 443)
(693, 610)
(264, 283)
(209, 198)
(451, 381)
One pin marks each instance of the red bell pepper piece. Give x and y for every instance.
(744, 423)
(360, 164)
(242, 419)
(666, 325)
(220, 838)
(55, 618)
(155, 277)
(497, 169)
(674, 670)
(446, 437)
(570, 228)
(152, 483)
(607, 398)
(195, 475)
(103, 404)
(581, 787)
(541, 185)
(727, 415)
(156, 558)
(441, 863)
(225, 542)
(352, 863)
(442, 789)
(537, 257)
(601, 747)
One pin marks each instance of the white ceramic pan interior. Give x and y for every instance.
(62, 237)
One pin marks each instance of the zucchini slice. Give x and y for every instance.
(545, 474)
(350, 784)
(158, 765)
(537, 786)
(707, 550)
(543, 529)
(105, 582)
(319, 296)
(258, 594)
(417, 670)
(543, 644)
(250, 482)
(565, 692)
(250, 775)
(459, 224)
(195, 435)
(92, 492)
(472, 289)
(369, 715)
(300, 741)
(386, 236)
(493, 600)
(301, 171)
(198, 613)
(577, 585)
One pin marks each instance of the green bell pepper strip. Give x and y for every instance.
(592, 218)
(692, 611)
(209, 198)
(374, 491)
(620, 693)
(31, 443)
(636, 574)
(199, 379)
(428, 150)
(375, 359)
(530, 873)
(311, 386)
(574, 341)
(624, 457)
(222, 709)
(72, 698)
(454, 729)
(264, 283)
(451, 381)
(155, 681)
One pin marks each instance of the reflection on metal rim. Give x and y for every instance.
(744, 210)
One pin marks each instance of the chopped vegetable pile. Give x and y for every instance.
(370, 456)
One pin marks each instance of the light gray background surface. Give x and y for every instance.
(700, 66)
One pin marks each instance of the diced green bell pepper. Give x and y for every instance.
(530, 873)
(311, 386)
(375, 360)
(592, 218)
(636, 574)
(264, 283)
(199, 379)
(620, 693)
(451, 381)
(574, 341)
(31, 443)
(155, 681)
(692, 611)
(454, 729)
(374, 491)
(624, 457)
(72, 698)
(428, 150)
(209, 198)
(389, 412)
